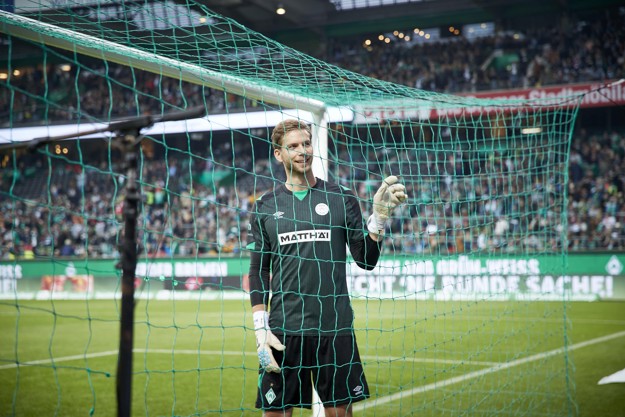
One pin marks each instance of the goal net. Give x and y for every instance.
(464, 314)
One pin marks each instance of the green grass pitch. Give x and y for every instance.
(426, 358)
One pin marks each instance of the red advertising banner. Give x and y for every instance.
(587, 95)
(594, 94)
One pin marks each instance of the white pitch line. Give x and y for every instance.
(542, 319)
(453, 317)
(61, 359)
(475, 374)
(194, 352)
(498, 366)
(115, 352)
(369, 359)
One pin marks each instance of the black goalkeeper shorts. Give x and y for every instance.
(332, 362)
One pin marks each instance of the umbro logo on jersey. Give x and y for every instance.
(304, 236)
(358, 390)
(278, 215)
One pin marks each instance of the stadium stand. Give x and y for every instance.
(591, 50)
(578, 51)
(586, 51)
(596, 211)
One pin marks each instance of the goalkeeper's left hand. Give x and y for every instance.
(391, 194)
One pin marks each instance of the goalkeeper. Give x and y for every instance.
(299, 234)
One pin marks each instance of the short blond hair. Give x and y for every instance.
(286, 126)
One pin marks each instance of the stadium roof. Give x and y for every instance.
(333, 18)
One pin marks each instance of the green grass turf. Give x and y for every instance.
(198, 358)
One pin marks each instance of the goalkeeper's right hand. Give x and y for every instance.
(391, 194)
(265, 340)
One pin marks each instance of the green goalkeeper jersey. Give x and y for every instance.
(302, 244)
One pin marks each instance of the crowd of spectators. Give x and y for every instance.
(569, 52)
(504, 201)
(94, 92)
(78, 211)
(467, 203)
(596, 214)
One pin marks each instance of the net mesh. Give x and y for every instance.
(485, 220)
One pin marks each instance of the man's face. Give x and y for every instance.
(296, 153)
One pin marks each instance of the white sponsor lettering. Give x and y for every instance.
(381, 284)
(11, 271)
(513, 266)
(462, 265)
(182, 269)
(593, 95)
(419, 268)
(304, 236)
(70, 270)
(511, 286)
(9, 274)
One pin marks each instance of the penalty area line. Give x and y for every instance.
(115, 352)
(61, 359)
(367, 359)
(378, 401)
(441, 384)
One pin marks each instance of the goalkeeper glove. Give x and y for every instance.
(390, 195)
(265, 340)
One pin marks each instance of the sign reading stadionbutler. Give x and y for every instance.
(608, 94)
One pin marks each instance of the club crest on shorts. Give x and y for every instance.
(270, 395)
(322, 209)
